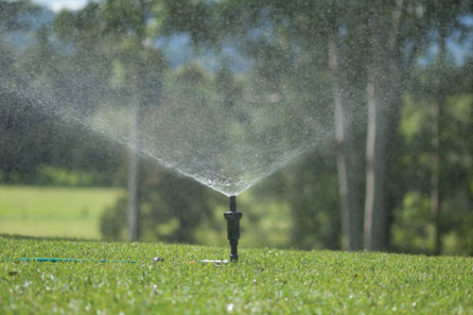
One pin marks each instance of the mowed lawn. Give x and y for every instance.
(263, 281)
(54, 211)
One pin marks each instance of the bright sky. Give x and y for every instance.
(57, 5)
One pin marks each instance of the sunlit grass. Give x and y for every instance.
(263, 281)
(54, 211)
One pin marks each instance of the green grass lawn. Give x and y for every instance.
(54, 211)
(264, 280)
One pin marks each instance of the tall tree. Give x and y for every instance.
(346, 105)
(384, 99)
(129, 21)
(444, 18)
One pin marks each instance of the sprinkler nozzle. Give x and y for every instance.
(233, 218)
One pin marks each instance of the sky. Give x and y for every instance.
(57, 5)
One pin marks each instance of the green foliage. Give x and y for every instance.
(263, 281)
(11, 11)
(32, 145)
(171, 208)
(18, 122)
(113, 221)
(314, 207)
(169, 199)
(64, 177)
(413, 229)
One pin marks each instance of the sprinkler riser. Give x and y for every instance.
(233, 218)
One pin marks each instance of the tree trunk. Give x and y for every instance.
(435, 195)
(375, 166)
(435, 176)
(351, 215)
(384, 99)
(135, 136)
(133, 173)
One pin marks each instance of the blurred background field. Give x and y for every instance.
(54, 211)
(76, 212)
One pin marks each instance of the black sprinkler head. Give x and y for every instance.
(233, 218)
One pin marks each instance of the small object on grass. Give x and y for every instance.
(39, 259)
(216, 262)
(158, 259)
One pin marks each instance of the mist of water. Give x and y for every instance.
(226, 129)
